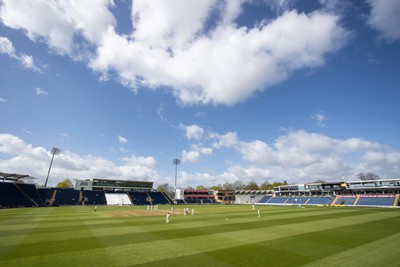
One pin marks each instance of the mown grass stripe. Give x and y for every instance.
(15, 216)
(381, 252)
(123, 238)
(38, 252)
(171, 248)
(93, 239)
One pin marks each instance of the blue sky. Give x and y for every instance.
(238, 90)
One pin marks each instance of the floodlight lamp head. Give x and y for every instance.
(55, 151)
(177, 161)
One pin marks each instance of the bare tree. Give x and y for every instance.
(367, 176)
(228, 186)
(238, 185)
(166, 188)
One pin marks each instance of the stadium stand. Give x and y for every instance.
(317, 200)
(14, 195)
(278, 200)
(17, 192)
(94, 197)
(140, 198)
(265, 199)
(158, 198)
(66, 196)
(46, 195)
(297, 200)
(376, 200)
(346, 200)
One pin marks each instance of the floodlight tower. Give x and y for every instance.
(54, 151)
(176, 162)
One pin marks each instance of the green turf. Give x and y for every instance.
(221, 235)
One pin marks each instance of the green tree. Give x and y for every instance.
(201, 187)
(216, 187)
(66, 183)
(266, 186)
(252, 185)
(276, 184)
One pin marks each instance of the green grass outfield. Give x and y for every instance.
(220, 235)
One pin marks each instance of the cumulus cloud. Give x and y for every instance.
(195, 48)
(18, 157)
(296, 157)
(56, 22)
(299, 156)
(193, 132)
(27, 61)
(122, 140)
(385, 18)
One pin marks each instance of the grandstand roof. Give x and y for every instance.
(14, 176)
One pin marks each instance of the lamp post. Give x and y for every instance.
(176, 162)
(54, 151)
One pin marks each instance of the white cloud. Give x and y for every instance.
(65, 136)
(6, 47)
(3, 100)
(18, 157)
(320, 119)
(296, 157)
(40, 91)
(56, 22)
(27, 131)
(299, 156)
(28, 63)
(239, 61)
(172, 44)
(191, 156)
(160, 111)
(385, 18)
(193, 132)
(122, 140)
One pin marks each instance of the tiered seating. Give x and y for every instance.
(193, 201)
(208, 201)
(180, 201)
(31, 192)
(11, 195)
(169, 199)
(375, 201)
(347, 201)
(94, 197)
(139, 198)
(45, 195)
(277, 200)
(297, 200)
(66, 196)
(158, 198)
(320, 201)
(265, 199)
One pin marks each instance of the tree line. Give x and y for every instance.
(238, 185)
